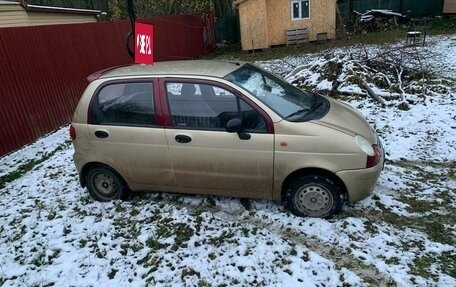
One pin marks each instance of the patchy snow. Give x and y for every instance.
(41, 147)
(431, 136)
(54, 233)
(444, 51)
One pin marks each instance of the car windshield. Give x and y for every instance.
(283, 98)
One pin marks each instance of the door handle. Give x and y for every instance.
(101, 134)
(183, 139)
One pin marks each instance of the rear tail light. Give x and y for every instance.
(375, 159)
(72, 133)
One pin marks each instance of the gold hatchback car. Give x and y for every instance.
(221, 128)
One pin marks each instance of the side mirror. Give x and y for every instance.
(234, 125)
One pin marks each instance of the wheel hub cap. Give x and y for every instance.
(314, 200)
(105, 184)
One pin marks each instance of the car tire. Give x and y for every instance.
(313, 196)
(104, 184)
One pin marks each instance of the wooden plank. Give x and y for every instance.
(13, 18)
(14, 6)
(297, 36)
(253, 21)
(322, 37)
(449, 7)
(39, 18)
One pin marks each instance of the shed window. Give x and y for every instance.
(300, 9)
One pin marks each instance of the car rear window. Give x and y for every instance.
(126, 104)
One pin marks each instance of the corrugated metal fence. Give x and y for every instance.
(43, 69)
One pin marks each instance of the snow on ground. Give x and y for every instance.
(54, 233)
(445, 55)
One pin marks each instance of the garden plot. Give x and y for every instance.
(54, 233)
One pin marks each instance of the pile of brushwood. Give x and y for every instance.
(392, 75)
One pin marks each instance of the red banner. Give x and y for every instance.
(144, 38)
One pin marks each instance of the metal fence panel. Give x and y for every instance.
(227, 28)
(43, 69)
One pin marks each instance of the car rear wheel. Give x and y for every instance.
(313, 196)
(104, 184)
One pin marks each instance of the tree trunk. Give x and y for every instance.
(350, 12)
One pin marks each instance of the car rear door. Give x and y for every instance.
(205, 157)
(124, 133)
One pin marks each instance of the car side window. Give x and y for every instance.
(129, 104)
(207, 107)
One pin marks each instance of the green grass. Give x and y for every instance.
(246, 203)
(443, 25)
(28, 166)
(432, 215)
(20, 171)
(225, 237)
(431, 220)
(422, 266)
(431, 225)
(154, 244)
(341, 258)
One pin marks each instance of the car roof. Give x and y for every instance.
(176, 68)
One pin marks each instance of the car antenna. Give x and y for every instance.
(132, 16)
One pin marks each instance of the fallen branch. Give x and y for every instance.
(371, 93)
(399, 82)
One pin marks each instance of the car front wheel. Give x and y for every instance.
(104, 184)
(313, 196)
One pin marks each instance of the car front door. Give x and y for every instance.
(125, 135)
(205, 157)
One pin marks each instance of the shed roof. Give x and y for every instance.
(38, 8)
(5, 2)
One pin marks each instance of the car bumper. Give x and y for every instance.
(78, 162)
(361, 182)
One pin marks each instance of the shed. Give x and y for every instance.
(449, 7)
(264, 23)
(20, 13)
